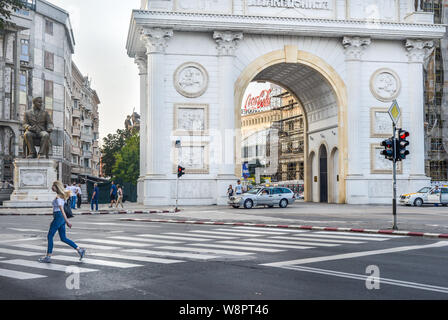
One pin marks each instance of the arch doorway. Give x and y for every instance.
(322, 95)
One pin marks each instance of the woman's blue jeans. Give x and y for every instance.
(58, 224)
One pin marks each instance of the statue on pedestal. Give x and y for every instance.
(38, 127)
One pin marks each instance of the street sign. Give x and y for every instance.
(246, 173)
(394, 112)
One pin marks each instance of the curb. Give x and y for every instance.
(299, 227)
(95, 213)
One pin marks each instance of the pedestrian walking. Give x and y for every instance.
(239, 188)
(74, 197)
(58, 224)
(113, 194)
(95, 196)
(119, 196)
(230, 191)
(79, 195)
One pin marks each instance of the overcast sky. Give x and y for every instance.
(100, 28)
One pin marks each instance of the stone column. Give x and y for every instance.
(227, 43)
(354, 49)
(418, 51)
(158, 144)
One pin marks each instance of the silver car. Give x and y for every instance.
(264, 196)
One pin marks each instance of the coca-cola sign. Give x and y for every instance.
(262, 101)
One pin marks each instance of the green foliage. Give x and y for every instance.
(127, 161)
(6, 8)
(112, 144)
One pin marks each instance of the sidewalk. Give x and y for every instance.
(329, 217)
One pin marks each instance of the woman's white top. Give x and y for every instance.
(57, 203)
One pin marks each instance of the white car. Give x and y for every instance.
(426, 195)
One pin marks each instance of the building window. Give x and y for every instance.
(49, 27)
(49, 61)
(48, 94)
(436, 145)
(25, 50)
(23, 77)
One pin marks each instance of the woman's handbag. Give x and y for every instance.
(68, 209)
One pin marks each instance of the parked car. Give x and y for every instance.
(426, 195)
(264, 196)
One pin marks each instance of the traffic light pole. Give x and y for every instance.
(394, 200)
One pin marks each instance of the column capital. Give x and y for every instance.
(354, 47)
(141, 61)
(227, 42)
(155, 39)
(419, 50)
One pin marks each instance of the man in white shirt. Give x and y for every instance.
(239, 188)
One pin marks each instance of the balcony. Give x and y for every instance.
(76, 113)
(76, 132)
(96, 144)
(76, 150)
(87, 122)
(87, 154)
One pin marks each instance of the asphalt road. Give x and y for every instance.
(149, 261)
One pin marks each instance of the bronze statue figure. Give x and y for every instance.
(38, 127)
(128, 123)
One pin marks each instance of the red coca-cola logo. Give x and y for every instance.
(263, 100)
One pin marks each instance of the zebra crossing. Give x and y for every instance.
(137, 250)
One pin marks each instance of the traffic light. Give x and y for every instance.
(402, 143)
(388, 151)
(180, 171)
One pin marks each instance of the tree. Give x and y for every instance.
(127, 163)
(112, 144)
(6, 8)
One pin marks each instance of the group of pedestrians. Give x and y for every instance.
(237, 191)
(116, 195)
(75, 195)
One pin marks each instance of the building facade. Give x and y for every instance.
(36, 61)
(345, 61)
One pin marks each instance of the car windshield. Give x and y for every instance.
(424, 190)
(254, 191)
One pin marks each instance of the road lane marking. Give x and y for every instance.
(314, 244)
(118, 243)
(199, 235)
(223, 246)
(19, 275)
(312, 235)
(28, 230)
(136, 258)
(91, 246)
(172, 237)
(41, 248)
(364, 278)
(319, 240)
(19, 252)
(46, 266)
(137, 239)
(272, 229)
(354, 255)
(226, 252)
(20, 240)
(119, 224)
(198, 256)
(256, 244)
(362, 234)
(251, 231)
(97, 262)
(228, 233)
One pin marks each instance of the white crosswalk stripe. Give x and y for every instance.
(96, 262)
(46, 266)
(90, 246)
(271, 229)
(228, 233)
(42, 248)
(198, 256)
(135, 258)
(251, 231)
(19, 252)
(199, 235)
(367, 235)
(223, 246)
(137, 239)
(313, 235)
(314, 244)
(254, 244)
(319, 240)
(19, 275)
(172, 237)
(118, 243)
(225, 252)
(27, 230)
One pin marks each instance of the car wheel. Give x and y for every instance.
(418, 202)
(248, 204)
(283, 203)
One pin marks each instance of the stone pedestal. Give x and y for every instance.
(33, 179)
